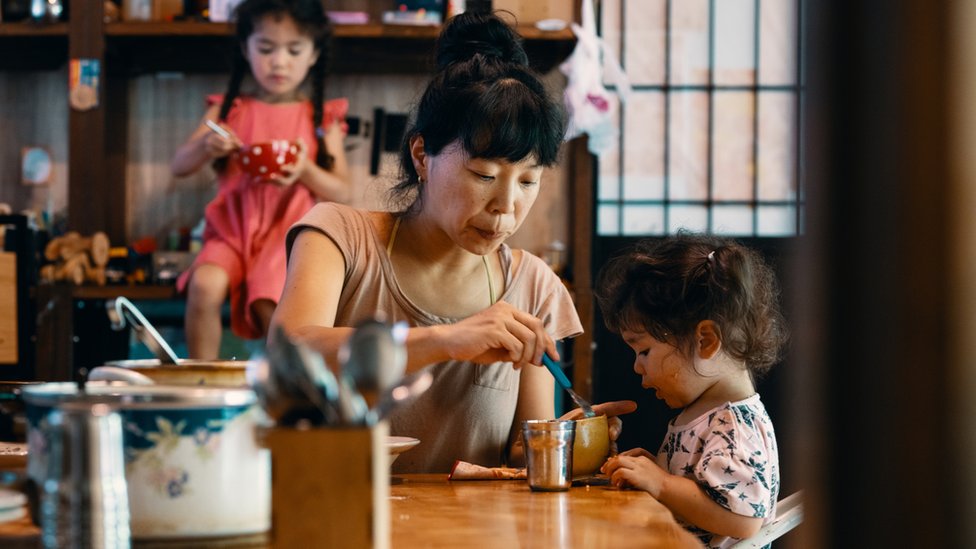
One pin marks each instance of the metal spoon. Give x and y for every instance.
(353, 409)
(294, 384)
(564, 382)
(214, 127)
(121, 309)
(374, 357)
(409, 388)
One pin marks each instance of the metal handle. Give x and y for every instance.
(556, 371)
(121, 309)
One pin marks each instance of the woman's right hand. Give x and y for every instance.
(500, 333)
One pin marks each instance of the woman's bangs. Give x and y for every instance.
(509, 124)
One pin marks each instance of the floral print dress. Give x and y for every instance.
(730, 451)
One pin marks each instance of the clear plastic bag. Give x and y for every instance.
(591, 106)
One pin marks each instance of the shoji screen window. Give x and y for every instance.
(709, 135)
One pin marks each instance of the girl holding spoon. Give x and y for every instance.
(281, 48)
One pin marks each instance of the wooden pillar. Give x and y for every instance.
(582, 229)
(872, 332)
(95, 202)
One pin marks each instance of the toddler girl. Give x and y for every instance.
(702, 315)
(280, 44)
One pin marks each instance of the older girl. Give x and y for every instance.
(281, 47)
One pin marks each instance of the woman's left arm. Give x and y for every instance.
(535, 401)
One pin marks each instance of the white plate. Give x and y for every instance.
(398, 445)
(8, 515)
(10, 499)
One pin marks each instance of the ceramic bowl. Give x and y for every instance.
(265, 160)
(592, 445)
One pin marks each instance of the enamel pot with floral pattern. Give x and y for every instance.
(192, 463)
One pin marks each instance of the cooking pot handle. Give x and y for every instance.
(114, 373)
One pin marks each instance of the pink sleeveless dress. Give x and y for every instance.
(247, 221)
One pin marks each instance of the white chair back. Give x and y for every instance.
(789, 514)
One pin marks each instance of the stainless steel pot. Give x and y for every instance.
(193, 466)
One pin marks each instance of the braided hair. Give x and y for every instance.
(311, 18)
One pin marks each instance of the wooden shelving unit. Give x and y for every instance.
(23, 29)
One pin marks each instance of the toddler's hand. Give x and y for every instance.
(636, 471)
(292, 172)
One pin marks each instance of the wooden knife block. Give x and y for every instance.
(330, 487)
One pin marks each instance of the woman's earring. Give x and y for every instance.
(420, 179)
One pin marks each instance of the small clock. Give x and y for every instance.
(35, 166)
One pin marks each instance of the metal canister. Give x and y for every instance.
(549, 454)
(83, 497)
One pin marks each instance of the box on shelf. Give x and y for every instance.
(220, 10)
(529, 12)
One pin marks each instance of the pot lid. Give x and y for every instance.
(130, 397)
(184, 363)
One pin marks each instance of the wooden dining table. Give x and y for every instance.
(432, 511)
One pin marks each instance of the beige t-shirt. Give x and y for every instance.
(467, 413)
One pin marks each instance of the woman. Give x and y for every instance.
(485, 128)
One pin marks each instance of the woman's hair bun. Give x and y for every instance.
(469, 34)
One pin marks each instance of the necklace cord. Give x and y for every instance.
(484, 258)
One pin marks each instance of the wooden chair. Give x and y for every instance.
(789, 513)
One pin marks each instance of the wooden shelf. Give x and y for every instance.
(148, 291)
(110, 291)
(201, 29)
(134, 48)
(25, 29)
(158, 28)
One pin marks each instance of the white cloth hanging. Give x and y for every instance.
(591, 106)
